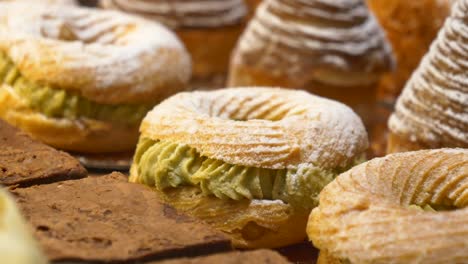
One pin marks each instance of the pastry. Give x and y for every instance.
(82, 79)
(411, 26)
(17, 245)
(249, 161)
(262, 256)
(331, 48)
(106, 219)
(408, 207)
(25, 162)
(209, 29)
(252, 6)
(432, 111)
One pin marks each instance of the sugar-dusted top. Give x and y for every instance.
(260, 127)
(309, 39)
(433, 107)
(184, 13)
(107, 56)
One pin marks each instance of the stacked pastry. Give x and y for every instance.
(208, 28)
(432, 111)
(331, 48)
(411, 26)
(82, 79)
(249, 161)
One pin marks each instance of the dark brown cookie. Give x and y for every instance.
(25, 162)
(107, 219)
(262, 256)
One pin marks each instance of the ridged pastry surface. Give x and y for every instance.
(184, 13)
(433, 108)
(260, 127)
(301, 38)
(367, 215)
(105, 56)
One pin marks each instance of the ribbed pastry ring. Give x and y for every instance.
(106, 56)
(368, 215)
(260, 127)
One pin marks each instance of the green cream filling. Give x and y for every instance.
(59, 103)
(164, 164)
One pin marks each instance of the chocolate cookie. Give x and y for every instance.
(262, 256)
(107, 219)
(25, 162)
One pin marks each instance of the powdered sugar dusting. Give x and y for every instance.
(110, 57)
(305, 36)
(243, 126)
(182, 13)
(433, 107)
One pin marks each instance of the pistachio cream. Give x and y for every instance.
(59, 103)
(164, 164)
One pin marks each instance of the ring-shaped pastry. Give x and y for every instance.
(410, 207)
(82, 79)
(250, 161)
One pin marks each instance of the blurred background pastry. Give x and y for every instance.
(432, 111)
(331, 48)
(17, 245)
(410, 26)
(249, 161)
(81, 79)
(252, 6)
(209, 29)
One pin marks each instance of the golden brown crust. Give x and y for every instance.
(210, 49)
(325, 258)
(83, 135)
(249, 223)
(397, 143)
(365, 214)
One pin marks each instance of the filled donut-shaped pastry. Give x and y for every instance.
(404, 208)
(82, 79)
(249, 161)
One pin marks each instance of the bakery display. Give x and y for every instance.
(432, 111)
(17, 245)
(331, 48)
(107, 219)
(410, 26)
(404, 208)
(209, 29)
(25, 162)
(261, 256)
(82, 79)
(249, 161)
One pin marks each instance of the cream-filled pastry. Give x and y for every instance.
(249, 161)
(82, 79)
